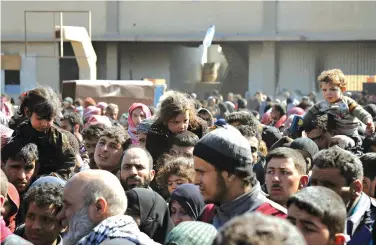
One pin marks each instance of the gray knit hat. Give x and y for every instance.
(226, 149)
(192, 233)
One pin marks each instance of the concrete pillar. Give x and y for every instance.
(111, 60)
(269, 67)
(29, 74)
(255, 82)
(185, 68)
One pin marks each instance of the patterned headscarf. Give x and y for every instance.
(144, 126)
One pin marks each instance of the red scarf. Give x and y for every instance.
(4, 230)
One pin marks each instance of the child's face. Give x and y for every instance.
(40, 124)
(331, 92)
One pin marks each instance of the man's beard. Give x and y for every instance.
(221, 191)
(79, 226)
(142, 183)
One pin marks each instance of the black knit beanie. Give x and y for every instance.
(226, 149)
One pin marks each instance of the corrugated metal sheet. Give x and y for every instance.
(296, 66)
(356, 59)
(301, 63)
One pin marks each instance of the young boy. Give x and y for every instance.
(320, 214)
(41, 205)
(343, 110)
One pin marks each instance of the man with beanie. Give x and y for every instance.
(223, 165)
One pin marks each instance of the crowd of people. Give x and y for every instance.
(254, 171)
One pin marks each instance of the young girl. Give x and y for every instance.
(136, 113)
(41, 106)
(176, 114)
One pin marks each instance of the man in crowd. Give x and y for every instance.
(369, 169)
(136, 168)
(254, 139)
(223, 165)
(285, 174)
(183, 143)
(206, 115)
(308, 148)
(317, 131)
(112, 111)
(91, 136)
(42, 203)
(238, 118)
(110, 147)
(320, 214)
(6, 236)
(94, 206)
(255, 228)
(342, 172)
(72, 122)
(19, 163)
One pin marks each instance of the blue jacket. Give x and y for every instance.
(360, 222)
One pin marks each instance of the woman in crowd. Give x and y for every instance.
(150, 212)
(187, 204)
(136, 113)
(102, 106)
(176, 114)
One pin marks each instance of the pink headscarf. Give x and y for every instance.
(132, 130)
(102, 105)
(98, 119)
(90, 111)
(296, 111)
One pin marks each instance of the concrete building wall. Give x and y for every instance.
(188, 20)
(330, 20)
(140, 61)
(47, 68)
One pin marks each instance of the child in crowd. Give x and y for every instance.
(343, 110)
(176, 114)
(175, 171)
(41, 106)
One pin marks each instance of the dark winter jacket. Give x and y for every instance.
(55, 153)
(158, 138)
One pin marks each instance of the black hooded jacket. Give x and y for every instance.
(153, 212)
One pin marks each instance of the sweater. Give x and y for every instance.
(255, 200)
(345, 112)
